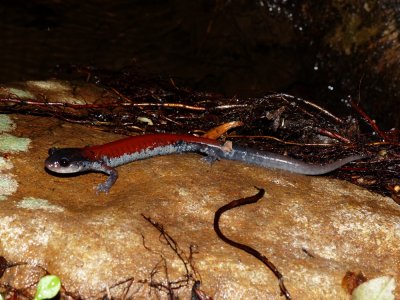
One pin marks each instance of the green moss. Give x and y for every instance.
(6, 124)
(13, 144)
(20, 93)
(37, 203)
(50, 85)
(5, 164)
(56, 90)
(8, 186)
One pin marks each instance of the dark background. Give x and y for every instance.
(324, 52)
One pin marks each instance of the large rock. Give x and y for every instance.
(314, 229)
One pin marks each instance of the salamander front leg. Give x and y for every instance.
(112, 178)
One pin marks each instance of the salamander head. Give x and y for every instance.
(66, 160)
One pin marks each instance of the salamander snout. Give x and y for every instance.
(66, 160)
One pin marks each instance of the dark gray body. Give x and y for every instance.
(275, 161)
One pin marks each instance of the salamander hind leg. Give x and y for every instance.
(209, 159)
(211, 155)
(215, 153)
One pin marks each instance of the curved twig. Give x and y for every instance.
(246, 248)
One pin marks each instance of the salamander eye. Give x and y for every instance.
(64, 162)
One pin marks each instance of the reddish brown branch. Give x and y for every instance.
(333, 135)
(246, 248)
(370, 122)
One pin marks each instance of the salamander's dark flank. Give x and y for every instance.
(104, 158)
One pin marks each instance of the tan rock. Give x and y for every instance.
(314, 229)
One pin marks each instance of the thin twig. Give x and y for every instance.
(333, 135)
(105, 105)
(246, 248)
(170, 286)
(170, 241)
(369, 121)
(329, 114)
(280, 140)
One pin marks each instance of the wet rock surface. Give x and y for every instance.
(314, 229)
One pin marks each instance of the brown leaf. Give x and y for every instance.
(216, 132)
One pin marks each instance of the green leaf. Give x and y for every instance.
(380, 288)
(48, 287)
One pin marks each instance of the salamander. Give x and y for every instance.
(104, 158)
